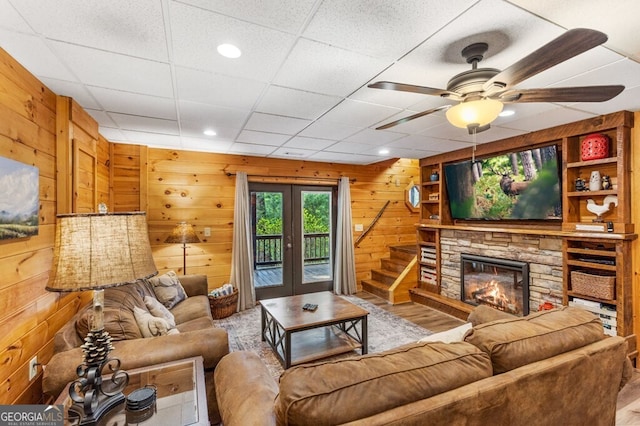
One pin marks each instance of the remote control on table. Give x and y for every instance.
(310, 307)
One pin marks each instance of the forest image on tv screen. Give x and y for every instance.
(520, 185)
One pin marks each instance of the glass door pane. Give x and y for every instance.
(316, 236)
(269, 241)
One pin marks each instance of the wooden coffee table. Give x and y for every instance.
(297, 336)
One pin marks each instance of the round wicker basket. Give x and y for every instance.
(223, 306)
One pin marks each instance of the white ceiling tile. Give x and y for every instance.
(133, 28)
(262, 138)
(292, 153)
(284, 15)
(621, 30)
(195, 129)
(153, 139)
(196, 34)
(115, 71)
(103, 118)
(35, 55)
(324, 129)
(77, 91)
(624, 71)
(276, 123)
(211, 116)
(308, 143)
(353, 148)
(551, 117)
(145, 124)
(206, 145)
(10, 19)
(112, 134)
(295, 103)
(250, 149)
(339, 157)
(215, 89)
(134, 103)
(321, 68)
(359, 114)
(301, 59)
(431, 144)
(373, 137)
(372, 27)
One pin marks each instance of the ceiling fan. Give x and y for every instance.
(481, 92)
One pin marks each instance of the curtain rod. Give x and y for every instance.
(352, 180)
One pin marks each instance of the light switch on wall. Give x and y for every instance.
(207, 232)
(358, 227)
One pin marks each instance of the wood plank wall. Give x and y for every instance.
(28, 313)
(33, 131)
(194, 187)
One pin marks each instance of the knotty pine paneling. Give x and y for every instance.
(194, 187)
(27, 134)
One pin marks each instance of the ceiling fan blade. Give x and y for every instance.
(568, 45)
(389, 85)
(562, 94)
(411, 117)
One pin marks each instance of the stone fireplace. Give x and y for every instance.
(499, 283)
(542, 254)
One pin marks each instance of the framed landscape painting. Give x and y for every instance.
(19, 200)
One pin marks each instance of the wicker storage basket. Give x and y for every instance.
(599, 286)
(223, 306)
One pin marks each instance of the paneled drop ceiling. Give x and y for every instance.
(149, 73)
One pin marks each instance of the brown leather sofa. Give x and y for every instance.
(197, 336)
(549, 368)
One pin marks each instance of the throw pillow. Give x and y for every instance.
(157, 309)
(448, 336)
(168, 289)
(151, 326)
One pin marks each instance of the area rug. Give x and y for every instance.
(386, 331)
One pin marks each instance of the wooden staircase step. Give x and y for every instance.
(402, 252)
(383, 276)
(395, 265)
(376, 287)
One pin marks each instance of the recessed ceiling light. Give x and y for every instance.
(229, 51)
(210, 132)
(506, 113)
(383, 151)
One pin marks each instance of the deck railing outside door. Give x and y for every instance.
(268, 249)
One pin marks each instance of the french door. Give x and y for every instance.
(293, 238)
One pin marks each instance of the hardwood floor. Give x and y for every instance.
(628, 408)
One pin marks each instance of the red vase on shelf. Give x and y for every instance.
(594, 147)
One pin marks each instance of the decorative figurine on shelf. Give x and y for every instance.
(594, 181)
(606, 182)
(580, 185)
(598, 209)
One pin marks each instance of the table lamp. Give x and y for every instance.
(93, 252)
(184, 234)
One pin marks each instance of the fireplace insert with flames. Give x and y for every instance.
(501, 284)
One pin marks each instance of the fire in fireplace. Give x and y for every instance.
(501, 284)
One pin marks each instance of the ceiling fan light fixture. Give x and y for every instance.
(479, 113)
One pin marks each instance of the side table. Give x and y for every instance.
(181, 396)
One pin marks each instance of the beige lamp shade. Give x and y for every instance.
(96, 251)
(183, 233)
(478, 113)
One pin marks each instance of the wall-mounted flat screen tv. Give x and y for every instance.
(523, 185)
